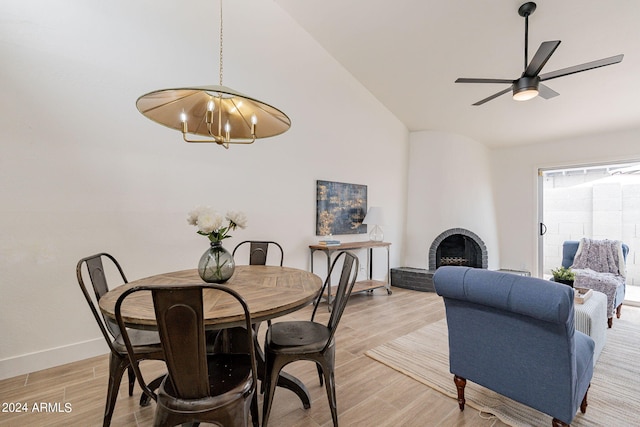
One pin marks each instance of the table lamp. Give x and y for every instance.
(375, 217)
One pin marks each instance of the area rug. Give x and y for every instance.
(614, 396)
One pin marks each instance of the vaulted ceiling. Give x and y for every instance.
(408, 53)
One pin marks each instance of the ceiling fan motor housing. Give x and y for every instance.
(526, 83)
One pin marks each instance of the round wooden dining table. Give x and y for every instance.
(269, 291)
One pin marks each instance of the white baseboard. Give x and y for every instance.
(31, 362)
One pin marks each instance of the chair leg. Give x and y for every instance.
(320, 374)
(272, 371)
(330, 385)
(132, 379)
(619, 311)
(255, 417)
(145, 399)
(460, 385)
(610, 322)
(583, 408)
(583, 405)
(117, 366)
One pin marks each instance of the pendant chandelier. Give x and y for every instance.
(216, 113)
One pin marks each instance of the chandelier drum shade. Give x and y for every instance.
(215, 114)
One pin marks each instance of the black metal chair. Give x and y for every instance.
(146, 344)
(199, 387)
(258, 251)
(291, 341)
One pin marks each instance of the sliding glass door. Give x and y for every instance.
(596, 201)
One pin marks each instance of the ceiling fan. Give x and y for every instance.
(528, 85)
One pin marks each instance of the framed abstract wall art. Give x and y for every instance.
(340, 208)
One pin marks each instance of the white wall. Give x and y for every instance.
(449, 187)
(515, 172)
(82, 171)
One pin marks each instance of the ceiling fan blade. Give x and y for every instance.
(495, 95)
(463, 80)
(541, 57)
(582, 67)
(546, 92)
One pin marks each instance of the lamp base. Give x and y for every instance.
(376, 234)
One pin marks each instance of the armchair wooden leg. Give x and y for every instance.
(619, 310)
(583, 408)
(610, 322)
(460, 385)
(583, 405)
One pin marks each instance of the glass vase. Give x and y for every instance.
(216, 264)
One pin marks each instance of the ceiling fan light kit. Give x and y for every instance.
(525, 88)
(528, 85)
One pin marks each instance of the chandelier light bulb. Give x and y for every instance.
(183, 119)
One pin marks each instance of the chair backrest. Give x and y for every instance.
(180, 320)
(258, 251)
(570, 248)
(512, 334)
(348, 276)
(97, 276)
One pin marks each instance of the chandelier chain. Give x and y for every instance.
(221, 40)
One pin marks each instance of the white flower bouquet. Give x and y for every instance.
(216, 264)
(212, 224)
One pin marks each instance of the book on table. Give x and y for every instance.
(329, 242)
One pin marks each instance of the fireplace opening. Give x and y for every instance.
(458, 250)
(458, 247)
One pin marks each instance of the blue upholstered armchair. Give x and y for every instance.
(569, 250)
(516, 336)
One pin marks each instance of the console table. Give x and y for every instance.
(362, 285)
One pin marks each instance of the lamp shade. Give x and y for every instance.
(374, 216)
(228, 107)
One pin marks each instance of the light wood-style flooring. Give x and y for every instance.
(368, 393)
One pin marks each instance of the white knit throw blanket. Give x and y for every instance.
(600, 265)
